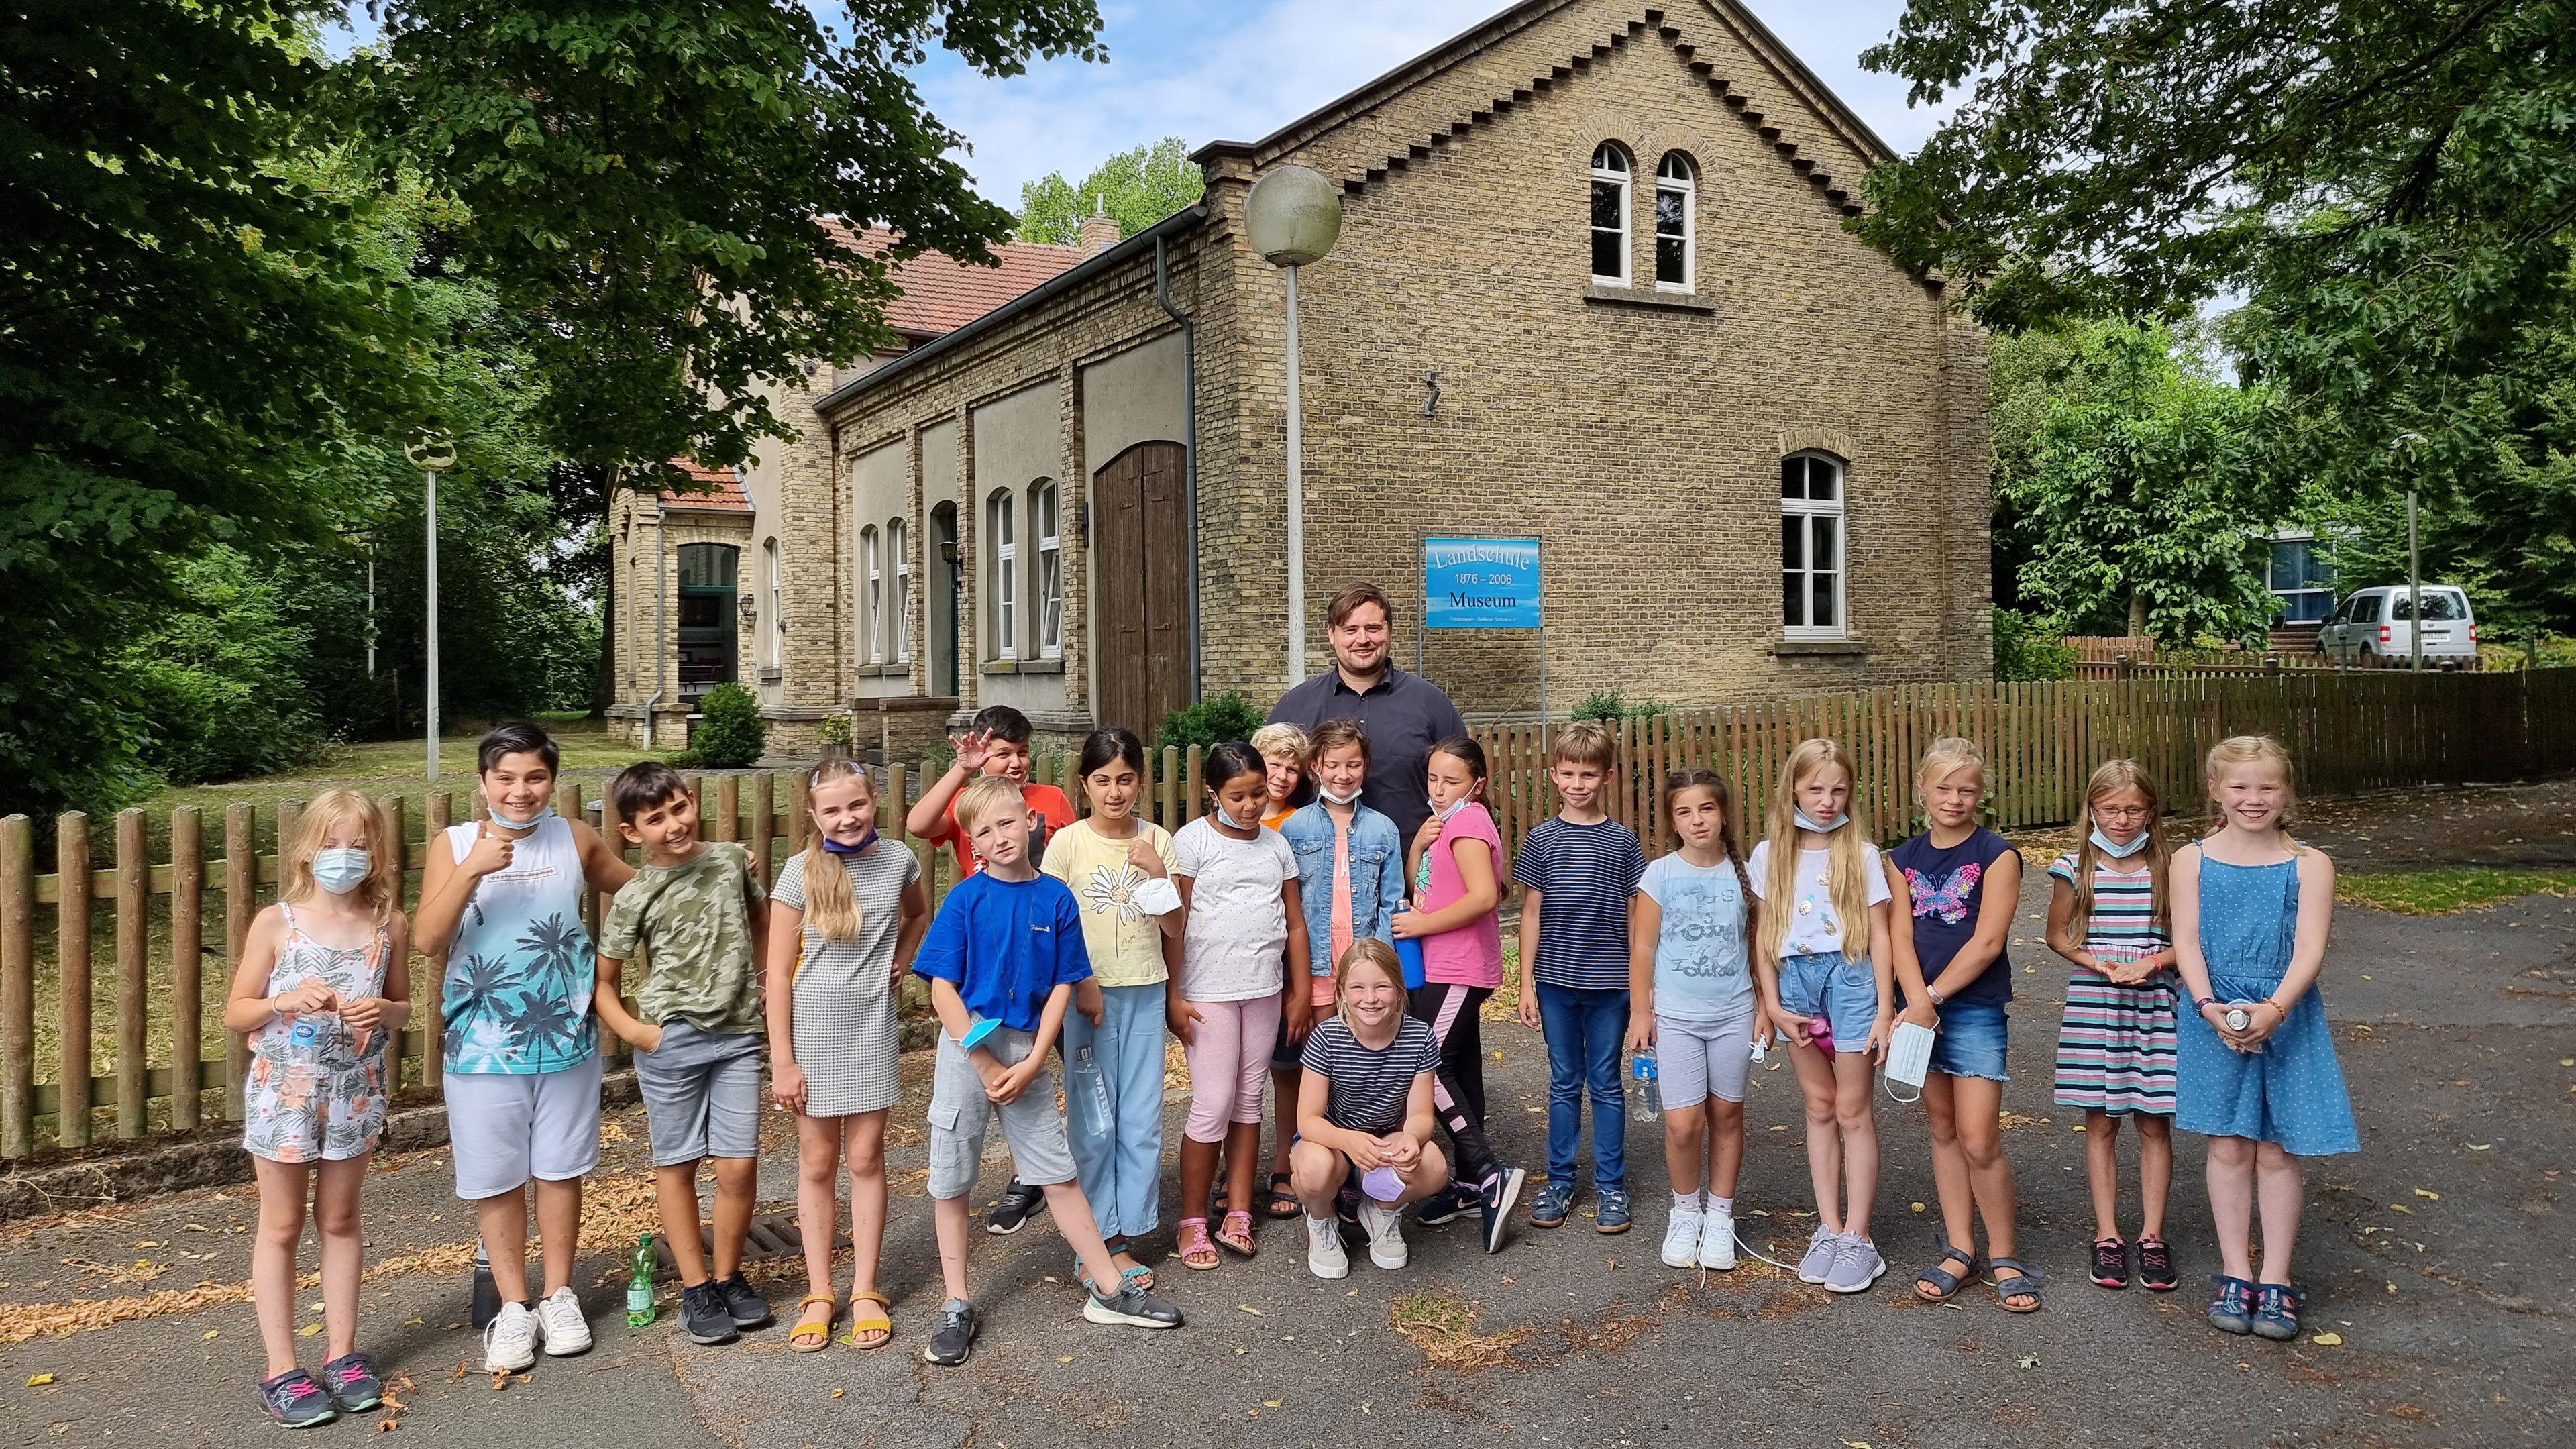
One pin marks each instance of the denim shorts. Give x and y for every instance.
(1841, 989)
(1971, 1041)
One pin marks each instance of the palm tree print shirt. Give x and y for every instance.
(519, 973)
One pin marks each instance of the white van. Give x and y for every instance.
(2378, 624)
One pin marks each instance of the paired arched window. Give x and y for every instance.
(899, 607)
(1610, 172)
(1674, 184)
(1001, 579)
(1812, 562)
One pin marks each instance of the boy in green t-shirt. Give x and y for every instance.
(696, 911)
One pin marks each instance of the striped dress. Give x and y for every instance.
(2116, 1047)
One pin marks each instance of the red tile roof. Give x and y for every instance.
(726, 496)
(942, 295)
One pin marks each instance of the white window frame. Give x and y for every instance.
(1809, 511)
(1001, 526)
(777, 621)
(899, 544)
(1617, 170)
(874, 609)
(1685, 186)
(1046, 509)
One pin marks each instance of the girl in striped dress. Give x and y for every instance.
(2115, 1050)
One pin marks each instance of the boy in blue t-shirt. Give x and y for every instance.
(1002, 959)
(1577, 872)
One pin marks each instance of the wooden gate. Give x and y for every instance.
(1140, 557)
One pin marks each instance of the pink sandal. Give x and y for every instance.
(1195, 1249)
(1235, 1236)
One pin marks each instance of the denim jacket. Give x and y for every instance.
(1377, 877)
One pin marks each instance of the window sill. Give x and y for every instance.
(883, 671)
(772, 676)
(1785, 648)
(1637, 297)
(1042, 666)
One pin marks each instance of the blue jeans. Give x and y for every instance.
(1585, 1030)
(1122, 1173)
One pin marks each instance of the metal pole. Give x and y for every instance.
(1296, 506)
(2414, 589)
(371, 607)
(430, 477)
(1542, 685)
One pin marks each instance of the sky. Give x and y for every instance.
(1208, 70)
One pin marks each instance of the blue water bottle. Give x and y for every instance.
(1644, 1089)
(1408, 950)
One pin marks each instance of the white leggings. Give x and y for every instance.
(1230, 1053)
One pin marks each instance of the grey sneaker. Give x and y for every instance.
(1821, 1249)
(1132, 1306)
(703, 1315)
(743, 1303)
(956, 1335)
(1856, 1265)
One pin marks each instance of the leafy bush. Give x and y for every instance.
(2024, 650)
(1229, 716)
(217, 678)
(1610, 706)
(731, 733)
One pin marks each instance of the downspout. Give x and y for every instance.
(661, 636)
(1189, 444)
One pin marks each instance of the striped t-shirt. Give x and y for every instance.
(2124, 921)
(1584, 875)
(1369, 1089)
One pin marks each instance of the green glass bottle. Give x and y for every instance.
(639, 1284)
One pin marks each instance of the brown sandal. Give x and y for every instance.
(817, 1324)
(874, 1321)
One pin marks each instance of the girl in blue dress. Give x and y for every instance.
(2257, 1075)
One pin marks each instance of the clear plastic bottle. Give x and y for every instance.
(1644, 1090)
(1086, 1095)
(639, 1283)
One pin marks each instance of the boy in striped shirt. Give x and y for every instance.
(1578, 872)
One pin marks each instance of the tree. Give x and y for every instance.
(1137, 188)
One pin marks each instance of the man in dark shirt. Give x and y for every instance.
(1404, 714)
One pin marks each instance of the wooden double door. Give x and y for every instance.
(1140, 583)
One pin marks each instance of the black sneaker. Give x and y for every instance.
(1346, 1206)
(1443, 1206)
(2155, 1265)
(352, 1383)
(743, 1303)
(1012, 1212)
(703, 1314)
(294, 1400)
(2110, 1263)
(1132, 1306)
(1502, 1193)
(955, 1337)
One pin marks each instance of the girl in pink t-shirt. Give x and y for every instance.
(1457, 860)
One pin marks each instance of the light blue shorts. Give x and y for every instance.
(1841, 989)
(1971, 1041)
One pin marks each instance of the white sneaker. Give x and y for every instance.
(510, 1340)
(1324, 1255)
(1717, 1240)
(567, 1332)
(1385, 1228)
(1681, 1239)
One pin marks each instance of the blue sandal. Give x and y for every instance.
(2276, 1314)
(2233, 1312)
(1942, 1278)
(2021, 1282)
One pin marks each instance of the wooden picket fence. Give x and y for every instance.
(2349, 733)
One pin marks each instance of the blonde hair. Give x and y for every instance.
(1584, 742)
(1947, 754)
(2253, 750)
(1846, 865)
(982, 796)
(382, 889)
(1282, 739)
(2109, 778)
(1367, 951)
(831, 906)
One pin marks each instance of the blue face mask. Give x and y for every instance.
(855, 847)
(340, 869)
(1828, 827)
(531, 823)
(2114, 849)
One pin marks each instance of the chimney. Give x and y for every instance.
(1100, 231)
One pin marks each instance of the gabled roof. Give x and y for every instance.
(942, 294)
(722, 495)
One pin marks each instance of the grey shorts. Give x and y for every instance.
(960, 1113)
(1696, 1060)
(701, 1093)
(504, 1128)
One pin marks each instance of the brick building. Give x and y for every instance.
(1592, 285)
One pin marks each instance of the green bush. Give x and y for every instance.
(2024, 650)
(1229, 716)
(216, 678)
(1610, 706)
(731, 733)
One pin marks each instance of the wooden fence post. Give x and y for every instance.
(133, 963)
(17, 987)
(762, 835)
(241, 902)
(71, 957)
(187, 963)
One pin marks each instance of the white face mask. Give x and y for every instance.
(1249, 822)
(1826, 827)
(340, 869)
(1339, 799)
(1461, 803)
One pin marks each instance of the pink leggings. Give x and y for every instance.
(1227, 1063)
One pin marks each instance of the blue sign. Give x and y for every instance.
(1480, 583)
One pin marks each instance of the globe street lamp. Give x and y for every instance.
(432, 455)
(1291, 218)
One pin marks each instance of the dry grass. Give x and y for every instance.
(1444, 1329)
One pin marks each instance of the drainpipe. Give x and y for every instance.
(661, 636)
(1189, 444)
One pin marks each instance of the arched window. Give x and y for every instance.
(1673, 224)
(769, 642)
(1812, 563)
(1002, 575)
(1610, 215)
(1050, 595)
(872, 608)
(900, 547)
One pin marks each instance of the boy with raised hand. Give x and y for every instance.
(1002, 959)
(695, 911)
(996, 747)
(1577, 871)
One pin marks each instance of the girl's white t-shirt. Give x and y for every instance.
(1813, 931)
(1237, 933)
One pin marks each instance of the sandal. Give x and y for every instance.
(2021, 1282)
(2155, 1266)
(874, 1321)
(1942, 1278)
(1195, 1249)
(1135, 1275)
(1279, 1202)
(2233, 1310)
(2110, 1263)
(817, 1326)
(2276, 1312)
(1235, 1236)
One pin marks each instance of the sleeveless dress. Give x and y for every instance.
(516, 998)
(312, 1095)
(846, 1036)
(2290, 1091)
(2116, 1044)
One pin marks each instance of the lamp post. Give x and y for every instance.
(1292, 217)
(432, 456)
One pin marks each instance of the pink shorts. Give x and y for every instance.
(1227, 1061)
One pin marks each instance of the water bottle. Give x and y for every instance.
(1645, 1090)
(1408, 954)
(1088, 1095)
(639, 1284)
(487, 1294)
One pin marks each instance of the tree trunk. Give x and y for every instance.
(2137, 614)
